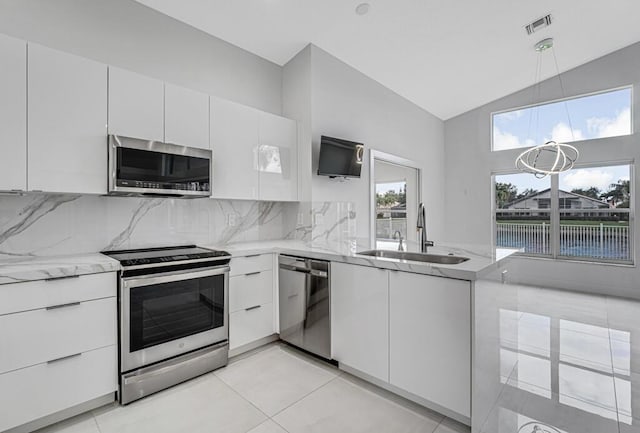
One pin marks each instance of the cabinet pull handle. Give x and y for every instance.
(255, 307)
(63, 358)
(70, 304)
(63, 277)
(293, 296)
(251, 273)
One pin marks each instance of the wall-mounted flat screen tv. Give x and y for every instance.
(340, 158)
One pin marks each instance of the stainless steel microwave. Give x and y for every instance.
(142, 167)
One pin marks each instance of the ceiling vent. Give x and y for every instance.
(538, 24)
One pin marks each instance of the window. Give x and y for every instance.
(580, 214)
(601, 115)
(396, 185)
(523, 216)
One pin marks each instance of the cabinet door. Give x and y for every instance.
(186, 117)
(13, 114)
(234, 141)
(430, 338)
(136, 105)
(360, 318)
(67, 112)
(278, 158)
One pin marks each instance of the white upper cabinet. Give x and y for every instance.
(13, 114)
(136, 105)
(278, 158)
(67, 128)
(234, 141)
(430, 339)
(360, 318)
(186, 117)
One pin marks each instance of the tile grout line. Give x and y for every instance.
(495, 403)
(278, 424)
(95, 420)
(241, 396)
(305, 396)
(613, 368)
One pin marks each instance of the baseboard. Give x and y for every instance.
(64, 414)
(253, 345)
(407, 395)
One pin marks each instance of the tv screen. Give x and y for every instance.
(340, 158)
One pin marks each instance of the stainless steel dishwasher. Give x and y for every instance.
(305, 294)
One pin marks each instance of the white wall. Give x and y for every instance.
(132, 36)
(347, 104)
(470, 163)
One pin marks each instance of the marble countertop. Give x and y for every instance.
(40, 268)
(482, 260)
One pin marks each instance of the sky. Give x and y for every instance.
(595, 116)
(381, 188)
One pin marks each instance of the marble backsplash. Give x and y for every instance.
(57, 224)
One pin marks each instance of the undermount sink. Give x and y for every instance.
(416, 257)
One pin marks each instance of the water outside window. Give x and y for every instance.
(593, 207)
(594, 213)
(523, 213)
(396, 189)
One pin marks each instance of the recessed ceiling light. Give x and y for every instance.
(363, 8)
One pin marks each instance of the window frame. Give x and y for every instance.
(392, 159)
(554, 214)
(558, 100)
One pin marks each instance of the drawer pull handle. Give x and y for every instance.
(64, 277)
(293, 296)
(63, 358)
(255, 307)
(251, 274)
(70, 304)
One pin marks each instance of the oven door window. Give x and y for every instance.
(163, 312)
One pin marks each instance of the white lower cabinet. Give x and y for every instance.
(58, 343)
(44, 389)
(249, 325)
(58, 332)
(430, 339)
(250, 290)
(408, 330)
(251, 294)
(360, 318)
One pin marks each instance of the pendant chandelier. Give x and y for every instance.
(551, 157)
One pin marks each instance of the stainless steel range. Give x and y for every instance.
(173, 316)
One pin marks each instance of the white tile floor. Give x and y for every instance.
(555, 360)
(275, 389)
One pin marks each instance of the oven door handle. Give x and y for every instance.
(169, 277)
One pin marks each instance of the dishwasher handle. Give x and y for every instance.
(313, 272)
(295, 268)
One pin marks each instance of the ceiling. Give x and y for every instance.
(447, 56)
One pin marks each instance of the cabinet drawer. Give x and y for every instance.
(41, 390)
(250, 290)
(37, 336)
(45, 293)
(248, 264)
(246, 326)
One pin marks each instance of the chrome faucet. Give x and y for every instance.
(399, 237)
(421, 226)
